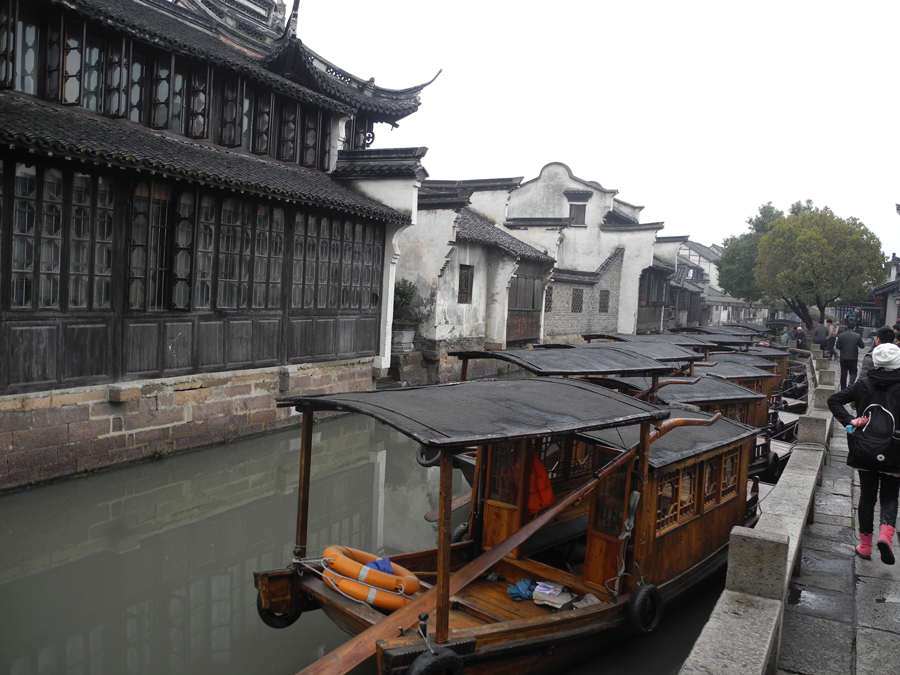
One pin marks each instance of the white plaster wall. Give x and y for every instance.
(667, 251)
(430, 259)
(401, 194)
(638, 255)
(491, 204)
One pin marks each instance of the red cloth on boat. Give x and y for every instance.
(540, 490)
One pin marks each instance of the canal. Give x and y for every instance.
(148, 569)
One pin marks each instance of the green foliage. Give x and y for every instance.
(736, 267)
(767, 215)
(813, 258)
(404, 294)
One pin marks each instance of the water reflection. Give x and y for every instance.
(148, 569)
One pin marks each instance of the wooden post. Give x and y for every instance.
(643, 452)
(442, 610)
(303, 488)
(463, 373)
(654, 389)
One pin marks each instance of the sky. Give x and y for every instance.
(699, 111)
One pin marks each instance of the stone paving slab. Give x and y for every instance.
(814, 646)
(876, 652)
(878, 604)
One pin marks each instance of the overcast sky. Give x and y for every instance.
(698, 111)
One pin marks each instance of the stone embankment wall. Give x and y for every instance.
(61, 433)
(743, 634)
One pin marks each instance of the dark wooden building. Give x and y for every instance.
(187, 189)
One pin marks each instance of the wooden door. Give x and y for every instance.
(504, 492)
(608, 512)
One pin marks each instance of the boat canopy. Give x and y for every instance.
(682, 442)
(731, 370)
(661, 351)
(671, 338)
(743, 358)
(769, 351)
(573, 362)
(486, 411)
(756, 327)
(705, 390)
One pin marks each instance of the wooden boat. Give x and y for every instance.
(698, 343)
(650, 501)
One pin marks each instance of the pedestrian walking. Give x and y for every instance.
(832, 336)
(884, 336)
(848, 345)
(820, 337)
(874, 484)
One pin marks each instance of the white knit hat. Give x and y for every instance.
(886, 356)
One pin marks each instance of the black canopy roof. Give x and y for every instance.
(682, 442)
(469, 413)
(660, 351)
(573, 361)
(756, 327)
(743, 358)
(671, 338)
(705, 390)
(768, 351)
(730, 371)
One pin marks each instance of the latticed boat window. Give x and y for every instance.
(730, 472)
(666, 505)
(551, 452)
(609, 509)
(505, 459)
(582, 459)
(711, 482)
(687, 503)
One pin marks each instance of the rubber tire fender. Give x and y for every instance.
(442, 661)
(273, 620)
(425, 460)
(644, 609)
(772, 465)
(459, 532)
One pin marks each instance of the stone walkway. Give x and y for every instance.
(843, 612)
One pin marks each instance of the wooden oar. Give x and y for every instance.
(358, 649)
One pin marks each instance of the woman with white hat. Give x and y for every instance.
(874, 485)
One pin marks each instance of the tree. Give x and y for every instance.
(812, 258)
(739, 258)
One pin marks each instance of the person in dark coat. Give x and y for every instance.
(848, 345)
(884, 336)
(886, 373)
(820, 337)
(801, 338)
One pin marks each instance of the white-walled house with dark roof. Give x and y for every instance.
(478, 286)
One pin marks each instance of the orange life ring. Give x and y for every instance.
(349, 562)
(372, 596)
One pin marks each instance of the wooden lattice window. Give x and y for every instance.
(552, 453)
(548, 299)
(711, 480)
(464, 295)
(609, 504)
(577, 214)
(687, 503)
(730, 472)
(666, 501)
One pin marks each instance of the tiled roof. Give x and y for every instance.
(520, 223)
(562, 276)
(475, 228)
(475, 184)
(705, 251)
(387, 163)
(611, 260)
(316, 72)
(190, 35)
(69, 132)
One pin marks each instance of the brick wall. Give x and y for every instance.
(60, 433)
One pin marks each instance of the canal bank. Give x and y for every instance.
(797, 600)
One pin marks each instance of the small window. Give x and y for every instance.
(604, 302)
(548, 299)
(577, 214)
(577, 300)
(466, 273)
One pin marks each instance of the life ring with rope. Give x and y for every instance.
(351, 564)
(380, 599)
